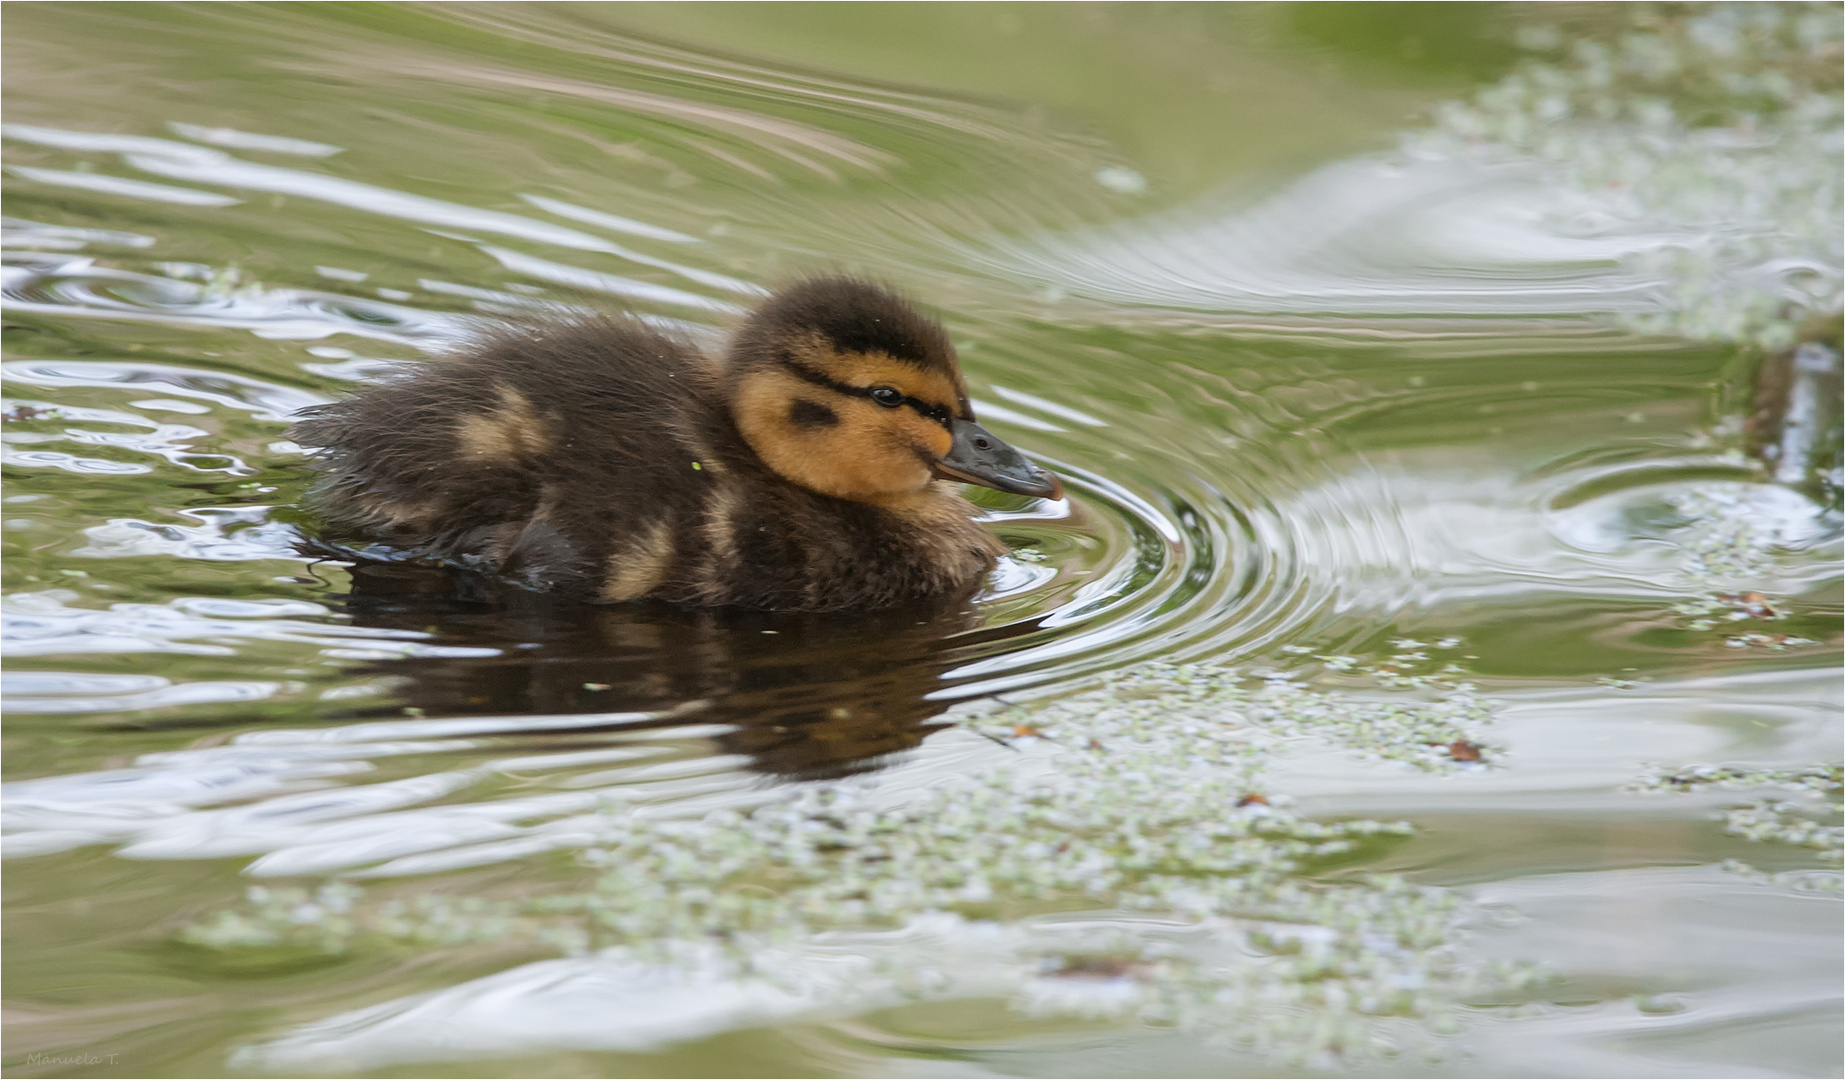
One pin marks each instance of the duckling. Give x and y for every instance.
(807, 468)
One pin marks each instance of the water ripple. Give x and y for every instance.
(1365, 237)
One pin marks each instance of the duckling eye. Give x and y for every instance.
(886, 396)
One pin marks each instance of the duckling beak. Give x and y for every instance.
(980, 457)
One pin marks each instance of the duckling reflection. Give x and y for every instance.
(811, 696)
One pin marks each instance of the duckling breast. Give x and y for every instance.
(779, 547)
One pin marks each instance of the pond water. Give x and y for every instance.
(1432, 671)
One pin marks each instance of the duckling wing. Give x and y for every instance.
(530, 452)
(542, 557)
(398, 466)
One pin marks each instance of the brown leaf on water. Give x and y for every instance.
(1462, 750)
(1100, 967)
(1754, 603)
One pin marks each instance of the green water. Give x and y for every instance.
(1415, 436)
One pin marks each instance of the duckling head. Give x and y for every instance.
(843, 387)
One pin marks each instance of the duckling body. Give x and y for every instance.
(597, 457)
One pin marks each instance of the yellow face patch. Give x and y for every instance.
(838, 444)
(864, 426)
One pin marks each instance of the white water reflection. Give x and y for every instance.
(226, 171)
(17, 232)
(224, 533)
(79, 288)
(1043, 405)
(181, 161)
(44, 624)
(594, 281)
(282, 809)
(608, 221)
(1753, 988)
(1454, 534)
(1364, 237)
(58, 692)
(1576, 749)
(123, 186)
(249, 140)
(109, 143)
(262, 399)
(616, 1001)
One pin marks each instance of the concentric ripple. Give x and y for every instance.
(1222, 526)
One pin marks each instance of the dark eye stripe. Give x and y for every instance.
(933, 412)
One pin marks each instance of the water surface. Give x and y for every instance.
(1382, 439)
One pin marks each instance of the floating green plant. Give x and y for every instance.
(1731, 538)
(1139, 804)
(1717, 132)
(1807, 815)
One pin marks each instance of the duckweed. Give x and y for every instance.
(1730, 539)
(1802, 818)
(1719, 131)
(1140, 803)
